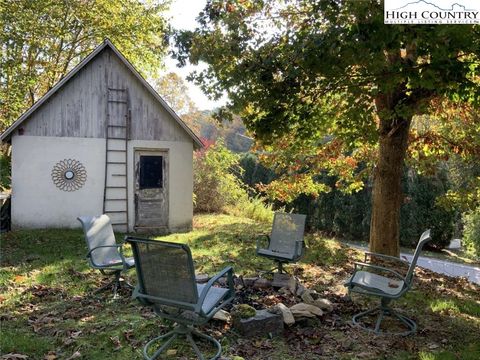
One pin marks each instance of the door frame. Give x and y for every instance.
(165, 152)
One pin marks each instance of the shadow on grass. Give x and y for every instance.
(35, 247)
(49, 306)
(235, 244)
(49, 319)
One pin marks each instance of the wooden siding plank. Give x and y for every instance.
(78, 108)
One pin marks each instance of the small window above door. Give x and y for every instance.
(151, 172)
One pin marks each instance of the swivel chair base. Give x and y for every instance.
(383, 311)
(181, 330)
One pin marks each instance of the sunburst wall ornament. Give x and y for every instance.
(69, 175)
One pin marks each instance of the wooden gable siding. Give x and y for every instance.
(150, 120)
(79, 108)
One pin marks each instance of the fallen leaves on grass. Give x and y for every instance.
(116, 343)
(75, 355)
(19, 278)
(50, 356)
(71, 336)
(130, 338)
(12, 356)
(43, 321)
(41, 291)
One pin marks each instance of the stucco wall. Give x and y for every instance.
(38, 203)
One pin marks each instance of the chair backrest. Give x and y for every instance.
(424, 238)
(287, 229)
(98, 231)
(165, 270)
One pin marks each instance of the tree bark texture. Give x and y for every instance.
(387, 194)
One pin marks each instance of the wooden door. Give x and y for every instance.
(151, 190)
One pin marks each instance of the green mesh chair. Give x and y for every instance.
(166, 282)
(385, 283)
(285, 243)
(104, 253)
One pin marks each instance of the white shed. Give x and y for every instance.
(102, 141)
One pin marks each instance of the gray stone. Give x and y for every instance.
(202, 278)
(324, 304)
(284, 280)
(284, 291)
(249, 281)
(300, 289)
(262, 283)
(263, 323)
(222, 315)
(293, 285)
(305, 310)
(309, 296)
(287, 315)
(298, 314)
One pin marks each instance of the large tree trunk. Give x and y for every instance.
(387, 195)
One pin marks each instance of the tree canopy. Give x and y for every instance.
(326, 84)
(42, 40)
(174, 91)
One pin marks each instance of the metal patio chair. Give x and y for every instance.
(285, 242)
(166, 282)
(391, 285)
(104, 253)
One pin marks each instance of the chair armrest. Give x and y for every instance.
(388, 257)
(103, 246)
(120, 253)
(260, 237)
(231, 286)
(376, 267)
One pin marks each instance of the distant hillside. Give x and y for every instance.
(233, 132)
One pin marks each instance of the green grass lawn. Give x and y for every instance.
(47, 309)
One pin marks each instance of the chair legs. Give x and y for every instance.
(280, 268)
(277, 269)
(385, 310)
(116, 283)
(181, 330)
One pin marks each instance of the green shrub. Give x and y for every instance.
(254, 172)
(471, 231)
(420, 210)
(215, 184)
(218, 187)
(4, 171)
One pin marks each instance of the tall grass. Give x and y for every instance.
(254, 208)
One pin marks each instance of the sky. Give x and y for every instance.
(182, 15)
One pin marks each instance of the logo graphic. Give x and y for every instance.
(432, 12)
